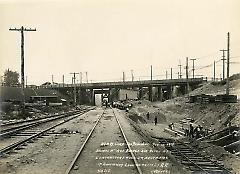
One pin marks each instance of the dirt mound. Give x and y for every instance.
(137, 119)
(139, 114)
(215, 88)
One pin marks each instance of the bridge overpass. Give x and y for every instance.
(156, 88)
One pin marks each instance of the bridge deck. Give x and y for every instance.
(144, 83)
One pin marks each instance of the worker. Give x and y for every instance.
(191, 131)
(148, 115)
(186, 131)
(170, 126)
(155, 120)
(197, 131)
(229, 127)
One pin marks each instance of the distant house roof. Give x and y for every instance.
(46, 83)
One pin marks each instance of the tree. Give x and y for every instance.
(10, 78)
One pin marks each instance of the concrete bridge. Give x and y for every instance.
(157, 90)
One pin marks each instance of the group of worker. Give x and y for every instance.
(196, 132)
(155, 118)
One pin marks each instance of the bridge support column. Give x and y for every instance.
(170, 92)
(140, 93)
(110, 97)
(150, 93)
(160, 93)
(102, 95)
(92, 97)
(81, 96)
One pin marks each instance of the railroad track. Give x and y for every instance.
(190, 157)
(78, 154)
(17, 144)
(13, 130)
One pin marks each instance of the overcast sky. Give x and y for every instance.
(107, 37)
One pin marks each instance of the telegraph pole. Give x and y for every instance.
(214, 71)
(22, 29)
(74, 83)
(223, 59)
(151, 73)
(187, 74)
(132, 75)
(52, 79)
(228, 56)
(193, 67)
(87, 77)
(180, 71)
(63, 80)
(80, 77)
(123, 76)
(171, 73)
(26, 81)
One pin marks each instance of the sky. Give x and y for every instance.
(108, 37)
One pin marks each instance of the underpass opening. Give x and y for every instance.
(98, 99)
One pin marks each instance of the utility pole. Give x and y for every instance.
(223, 59)
(187, 75)
(26, 81)
(228, 56)
(171, 73)
(63, 80)
(74, 83)
(80, 77)
(123, 76)
(52, 79)
(151, 73)
(87, 77)
(22, 29)
(214, 71)
(180, 70)
(193, 67)
(132, 75)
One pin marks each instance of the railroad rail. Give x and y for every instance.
(190, 157)
(15, 129)
(21, 142)
(125, 138)
(77, 156)
(10, 123)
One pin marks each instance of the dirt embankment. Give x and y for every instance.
(138, 113)
(214, 116)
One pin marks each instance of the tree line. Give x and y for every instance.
(10, 78)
